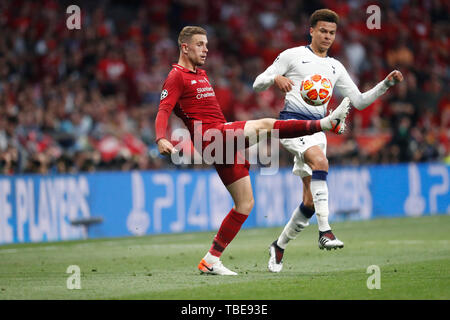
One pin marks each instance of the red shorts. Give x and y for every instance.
(232, 172)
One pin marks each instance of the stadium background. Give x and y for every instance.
(77, 107)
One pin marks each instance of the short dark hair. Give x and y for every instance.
(187, 32)
(323, 15)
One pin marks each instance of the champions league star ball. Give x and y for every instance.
(316, 90)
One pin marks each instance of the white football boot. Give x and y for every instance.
(215, 268)
(335, 121)
(276, 257)
(328, 241)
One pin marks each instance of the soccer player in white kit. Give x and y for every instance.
(310, 161)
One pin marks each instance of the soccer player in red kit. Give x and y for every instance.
(188, 92)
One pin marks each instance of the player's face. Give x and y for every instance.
(323, 35)
(197, 49)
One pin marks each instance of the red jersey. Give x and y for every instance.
(192, 98)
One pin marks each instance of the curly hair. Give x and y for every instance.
(323, 15)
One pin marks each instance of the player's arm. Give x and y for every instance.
(274, 74)
(172, 89)
(362, 100)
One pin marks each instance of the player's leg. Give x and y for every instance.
(286, 128)
(299, 220)
(315, 158)
(301, 215)
(296, 128)
(242, 194)
(237, 181)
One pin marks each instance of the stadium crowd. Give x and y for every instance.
(86, 100)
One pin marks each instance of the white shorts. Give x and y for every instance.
(298, 146)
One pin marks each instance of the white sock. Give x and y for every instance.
(319, 190)
(295, 225)
(325, 123)
(209, 258)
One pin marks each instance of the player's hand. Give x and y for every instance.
(283, 83)
(393, 78)
(165, 147)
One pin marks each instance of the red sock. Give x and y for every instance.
(296, 128)
(228, 229)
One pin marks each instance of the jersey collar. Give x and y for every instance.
(309, 47)
(181, 68)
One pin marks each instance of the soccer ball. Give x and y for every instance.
(316, 90)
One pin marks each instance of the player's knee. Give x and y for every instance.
(266, 124)
(250, 204)
(245, 206)
(254, 128)
(319, 163)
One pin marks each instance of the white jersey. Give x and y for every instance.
(299, 62)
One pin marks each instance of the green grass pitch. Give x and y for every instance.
(413, 255)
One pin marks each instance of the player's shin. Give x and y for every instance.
(299, 220)
(296, 128)
(228, 230)
(319, 191)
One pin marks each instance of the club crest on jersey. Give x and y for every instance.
(193, 82)
(164, 94)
